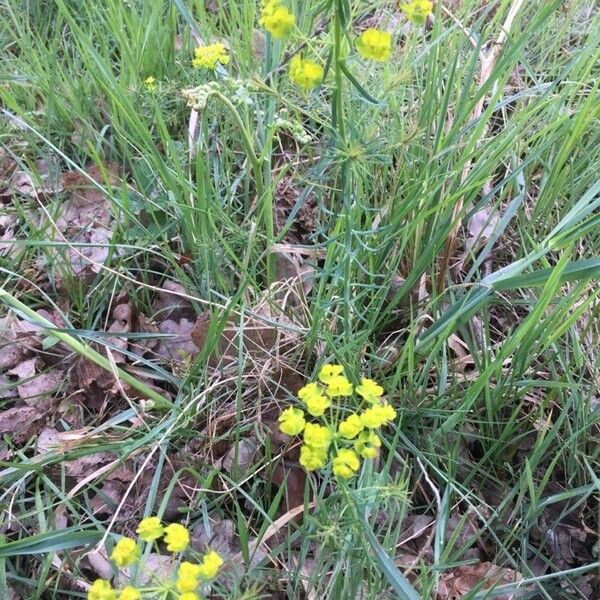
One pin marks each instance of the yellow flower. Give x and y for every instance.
(211, 562)
(374, 44)
(346, 463)
(188, 569)
(316, 405)
(208, 57)
(367, 444)
(150, 83)
(388, 413)
(328, 372)
(309, 390)
(130, 593)
(149, 529)
(187, 577)
(277, 19)
(186, 584)
(378, 415)
(317, 436)
(350, 427)
(189, 596)
(312, 458)
(125, 552)
(417, 11)
(370, 390)
(177, 537)
(101, 590)
(339, 386)
(291, 421)
(312, 395)
(306, 73)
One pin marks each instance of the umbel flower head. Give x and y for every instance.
(367, 444)
(306, 73)
(316, 402)
(208, 57)
(291, 421)
(125, 552)
(350, 427)
(189, 575)
(369, 390)
(376, 416)
(210, 565)
(101, 590)
(177, 537)
(417, 11)
(150, 83)
(346, 463)
(339, 386)
(130, 593)
(317, 436)
(276, 19)
(312, 459)
(374, 44)
(150, 529)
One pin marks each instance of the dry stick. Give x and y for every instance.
(488, 62)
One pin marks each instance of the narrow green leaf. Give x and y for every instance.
(359, 88)
(395, 578)
(52, 541)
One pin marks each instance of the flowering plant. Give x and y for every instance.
(346, 440)
(188, 579)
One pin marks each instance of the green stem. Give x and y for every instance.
(339, 96)
(265, 200)
(159, 401)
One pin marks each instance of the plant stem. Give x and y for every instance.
(264, 199)
(339, 97)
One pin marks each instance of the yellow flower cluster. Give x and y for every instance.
(189, 573)
(150, 83)
(305, 72)
(417, 11)
(177, 538)
(276, 19)
(356, 429)
(208, 57)
(374, 44)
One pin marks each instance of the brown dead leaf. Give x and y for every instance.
(219, 536)
(122, 314)
(259, 337)
(21, 422)
(240, 458)
(293, 476)
(179, 345)
(12, 350)
(8, 225)
(7, 388)
(86, 465)
(85, 218)
(170, 303)
(299, 222)
(456, 583)
(481, 227)
(95, 384)
(33, 385)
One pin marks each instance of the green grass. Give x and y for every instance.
(502, 435)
